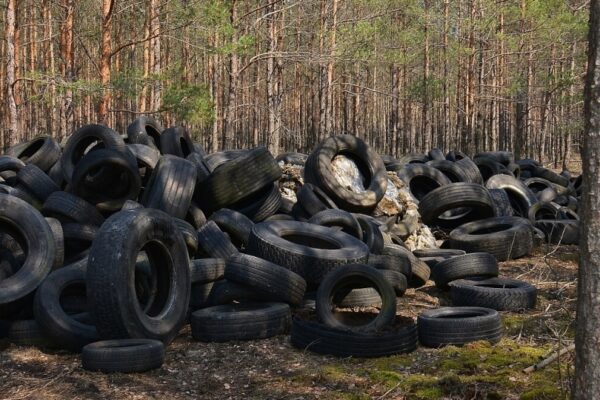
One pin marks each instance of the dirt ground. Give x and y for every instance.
(273, 369)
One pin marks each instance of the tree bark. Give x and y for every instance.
(274, 78)
(587, 337)
(105, 56)
(234, 66)
(11, 66)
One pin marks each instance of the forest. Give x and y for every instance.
(405, 75)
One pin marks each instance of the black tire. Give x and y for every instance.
(36, 182)
(207, 270)
(59, 242)
(515, 169)
(80, 140)
(112, 297)
(120, 181)
(436, 154)
(500, 294)
(397, 280)
(396, 263)
(215, 160)
(27, 332)
(413, 158)
(349, 277)
(195, 216)
(318, 338)
(69, 208)
(171, 186)
(292, 158)
(465, 201)
(55, 173)
(420, 271)
(371, 234)
(125, 355)
(453, 171)
(471, 169)
(444, 253)
(131, 205)
(551, 176)
(62, 328)
(501, 201)
(458, 326)
(176, 141)
(502, 157)
(10, 164)
(543, 210)
(472, 265)
(320, 172)
(42, 152)
(560, 232)
(422, 179)
(29, 228)
(202, 170)
(213, 242)
(237, 179)
(338, 219)
(504, 237)
(226, 292)
(455, 155)
(245, 321)
(314, 251)
(489, 167)
(260, 205)
(521, 197)
(145, 130)
(200, 295)
(537, 185)
(361, 297)
(147, 157)
(276, 283)
(313, 200)
(235, 224)
(190, 236)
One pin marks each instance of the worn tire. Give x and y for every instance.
(176, 141)
(500, 294)
(43, 152)
(125, 355)
(422, 179)
(67, 207)
(213, 242)
(472, 265)
(521, 197)
(235, 224)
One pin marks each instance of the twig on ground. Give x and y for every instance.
(545, 362)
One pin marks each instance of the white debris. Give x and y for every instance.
(348, 174)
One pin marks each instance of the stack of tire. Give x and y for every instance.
(110, 244)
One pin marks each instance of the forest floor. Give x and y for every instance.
(273, 369)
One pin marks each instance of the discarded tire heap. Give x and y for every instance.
(111, 243)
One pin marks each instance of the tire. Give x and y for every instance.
(397, 280)
(559, 232)
(537, 185)
(387, 262)
(292, 158)
(190, 236)
(466, 201)
(371, 234)
(320, 172)
(551, 176)
(78, 143)
(226, 292)
(436, 155)
(124, 182)
(318, 338)
(338, 219)
(361, 297)
(202, 171)
(420, 271)
(508, 237)
(521, 197)
(422, 179)
(413, 158)
(245, 321)
(260, 205)
(350, 277)
(458, 326)
(59, 242)
(36, 182)
(27, 333)
(69, 208)
(111, 269)
(215, 160)
(145, 130)
(501, 201)
(471, 169)
(43, 152)
(444, 253)
(125, 355)
(237, 179)
(542, 210)
(176, 141)
(472, 265)
(315, 251)
(55, 173)
(489, 167)
(500, 294)
(213, 242)
(455, 155)
(235, 224)
(171, 186)
(195, 216)
(313, 200)
(453, 171)
(147, 157)
(515, 169)
(62, 329)
(207, 270)
(200, 295)
(10, 164)
(29, 228)
(131, 205)
(502, 157)
(273, 281)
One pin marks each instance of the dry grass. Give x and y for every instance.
(272, 369)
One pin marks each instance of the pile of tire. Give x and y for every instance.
(110, 244)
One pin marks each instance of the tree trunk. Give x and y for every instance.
(11, 66)
(67, 49)
(105, 56)
(274, 78)
(234, 66)
(587, 336)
